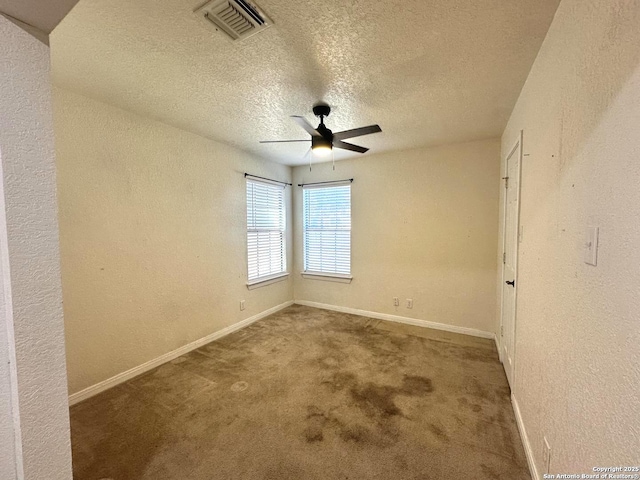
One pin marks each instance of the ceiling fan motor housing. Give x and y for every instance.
(321, 110)
(325, 132)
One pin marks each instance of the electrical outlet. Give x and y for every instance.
(241, 304)
(409, 302)
(396, 301)
(546, 455)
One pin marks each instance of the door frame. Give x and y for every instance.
(516, 146)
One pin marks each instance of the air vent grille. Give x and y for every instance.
(237, 18)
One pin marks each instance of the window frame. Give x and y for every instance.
(325, 275)
(271, 277)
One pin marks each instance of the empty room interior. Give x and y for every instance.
(319, 240)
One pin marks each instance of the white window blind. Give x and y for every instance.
(327, 229)
(266, 252)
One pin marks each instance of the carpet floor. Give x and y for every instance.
(309, 394)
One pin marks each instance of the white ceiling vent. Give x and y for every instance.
(237, 18)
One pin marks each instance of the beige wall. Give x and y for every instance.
(578, 328)
(152, 229)
(424, 226)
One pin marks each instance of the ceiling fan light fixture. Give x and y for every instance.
(321, 146)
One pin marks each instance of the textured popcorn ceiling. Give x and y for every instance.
(429, 72)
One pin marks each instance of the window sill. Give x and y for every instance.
(264, 281)
(327, 277)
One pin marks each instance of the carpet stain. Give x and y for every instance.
(239, 386)
(377, 403)
(416, 385)
(464, 403)
(318, 421)
(355, 433)
(314, 434)
(376, 399)
(340, 381)
(489, 473)
(438, 432)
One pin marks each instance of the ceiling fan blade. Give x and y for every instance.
(348, 146)
(284, 141)
(306, 125)
(357, 132)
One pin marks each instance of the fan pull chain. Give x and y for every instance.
(308, 154)
(333, 159)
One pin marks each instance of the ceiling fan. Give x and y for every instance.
(324, 140)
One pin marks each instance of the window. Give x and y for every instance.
(266, 252)
(327, 229)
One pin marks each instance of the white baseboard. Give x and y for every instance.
(398, 319)
(167, 357)
(525, 440)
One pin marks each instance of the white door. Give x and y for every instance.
(510, 260)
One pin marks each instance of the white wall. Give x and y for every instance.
(34, 421)
(424, 226)
(578, 327)
(153, 237)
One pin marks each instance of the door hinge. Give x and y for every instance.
(506, 182)
(504, 257)
(501, 330)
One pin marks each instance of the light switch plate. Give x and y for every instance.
(591, 246)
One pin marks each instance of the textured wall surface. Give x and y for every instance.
(578, 327)
(153, 237)
(32, 299)
(424, 226)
